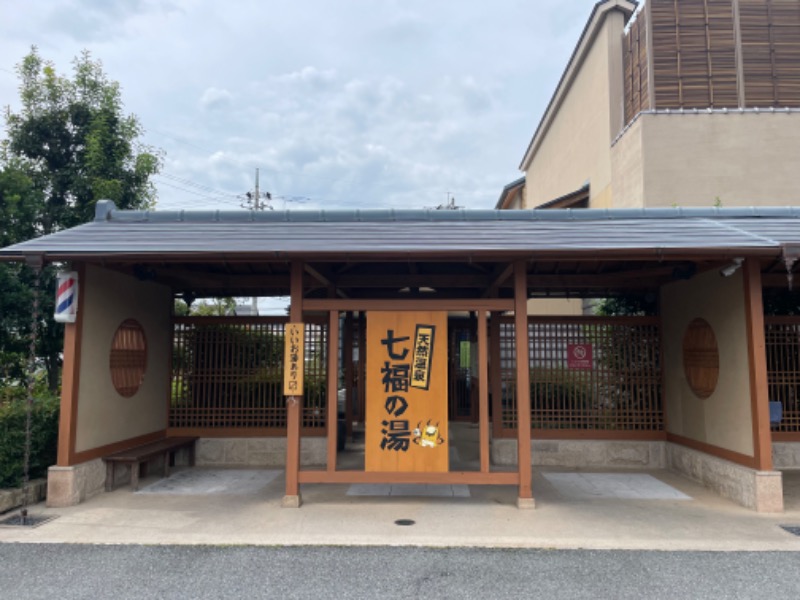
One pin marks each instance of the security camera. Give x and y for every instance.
(731, 268)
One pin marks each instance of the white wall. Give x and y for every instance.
(724, 419)
(105, 417)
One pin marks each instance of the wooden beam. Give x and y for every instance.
(325, 281)
(347, 350)
(188, 278)
(294, 404)
(483, 391)
(757, 362)
(70, 378)
(333, 387)
(452, 477)
(499, 280)
(362, 367)
(496, 375)
(325, 304)
(523, 383)
(413, 280)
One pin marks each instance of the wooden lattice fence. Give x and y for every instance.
(227, 376)
(782, 339)
(616, 394)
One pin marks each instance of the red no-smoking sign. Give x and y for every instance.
(579, 356)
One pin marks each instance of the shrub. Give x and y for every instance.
(44, 438)
(560, 399)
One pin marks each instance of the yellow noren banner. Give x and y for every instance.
(293, 361)
(406, 418)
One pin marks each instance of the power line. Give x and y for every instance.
(201, 186)
(224, 198)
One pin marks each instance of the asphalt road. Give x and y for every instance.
(121, 572)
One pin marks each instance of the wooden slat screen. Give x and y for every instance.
(637, 97)
(695, 60)
(770, 31)
(620, 393)
(227, 374)
(694, 53)
(782, 338)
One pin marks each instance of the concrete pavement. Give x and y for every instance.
(564, 518)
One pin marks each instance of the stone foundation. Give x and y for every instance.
(758, 490)
(11, 499)
(258, 452)
(786, 455)
(599, 454)
(68, 486)
(761, 491)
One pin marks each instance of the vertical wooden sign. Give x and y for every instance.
(293, 361)
(406, 414)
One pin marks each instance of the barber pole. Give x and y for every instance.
(66, 297)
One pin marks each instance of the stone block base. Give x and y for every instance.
(786, 455)
(526, 503)
(258, 452)
(13, 498)
(291, 501)
(68, 486)
(600, 454)
(761, 491)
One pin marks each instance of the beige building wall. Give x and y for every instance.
(105, 417)
(723, 419)
(574, 149)
(555, 306)
(627, 168)
(740, 159)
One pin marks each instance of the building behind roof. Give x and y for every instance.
(690, 103)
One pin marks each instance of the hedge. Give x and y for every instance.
(44, 437)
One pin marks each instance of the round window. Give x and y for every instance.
(701, 358)
(128, 358)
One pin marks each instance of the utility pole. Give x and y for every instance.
(254, 203)
(449, 205)
(253, 199)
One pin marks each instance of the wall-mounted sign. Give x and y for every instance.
(293, 361)
(406, 416)
(579, 356)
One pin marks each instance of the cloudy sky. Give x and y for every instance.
(346, 103)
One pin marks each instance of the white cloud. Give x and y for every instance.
(216, 99)
(348, 103)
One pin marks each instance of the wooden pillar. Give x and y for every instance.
(757, 363)
(483, 391)
(347, 344)
(70, 379)
(294, 404)
(362, 366)
(525, 498)
(496, 375)
(333, 386)
(474, 392)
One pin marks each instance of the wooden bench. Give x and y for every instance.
(134, 457)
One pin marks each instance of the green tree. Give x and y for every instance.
(214, 307)
(69, 145)
(18, 207)
(76, 142)
(627, 305)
